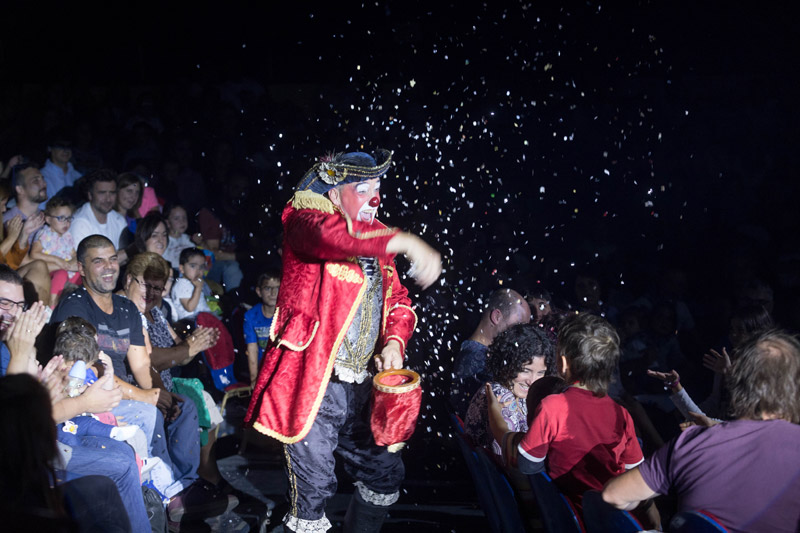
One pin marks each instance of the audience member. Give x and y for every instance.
(30, 190)
(58, 171)
(745, 323)
(30, 493)
(585, 436)
(258, 319)
(518, 357)
(97, 216)
(504, 309)
(121, 336)
(54, 245)
(129, 198)
(146, 275)
(745, 472)
(151, 234)
(179, 240)
(191, 295)
(219, 235)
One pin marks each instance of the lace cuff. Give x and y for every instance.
(376, 498)
(301, 525)
(348, 375)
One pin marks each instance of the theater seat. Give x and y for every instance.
(599, 517)
(695, 522)
(557, 512)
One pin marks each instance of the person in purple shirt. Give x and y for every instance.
(745, 472)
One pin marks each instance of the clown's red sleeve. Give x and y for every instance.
(400, 317)
(315, 235)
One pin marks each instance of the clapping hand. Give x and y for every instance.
(721, 364)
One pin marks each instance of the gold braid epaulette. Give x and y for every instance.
(312, 200)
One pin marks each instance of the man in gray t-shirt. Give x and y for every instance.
(745, 472)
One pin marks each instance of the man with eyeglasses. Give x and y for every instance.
(31, 190)
(258, 320)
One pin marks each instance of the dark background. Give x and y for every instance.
(532, 140)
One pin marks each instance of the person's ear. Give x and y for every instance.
(496, 316)
(335, 197)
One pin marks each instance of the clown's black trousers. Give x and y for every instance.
(341, 427)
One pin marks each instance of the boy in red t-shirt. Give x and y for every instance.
(586, 437)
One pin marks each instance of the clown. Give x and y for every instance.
(341, 313)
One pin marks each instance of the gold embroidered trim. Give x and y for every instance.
(331, 360)
(344, 273)
(312, 200)
(292, 479)
(300, 348)
(397, 389)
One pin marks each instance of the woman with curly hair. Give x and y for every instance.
(517, 358)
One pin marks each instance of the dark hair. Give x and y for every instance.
(167, 211)
(145, 228)
(188, 253)
(516, 347)
(28, 441)
(5, 189)
(591, 346)
(76, 323)
(538, 292)
(58, 201)
(100, 175)
(76, 344)
(268, 274)
(540, 389)
(16, 170)
(92, 241)
(129, 178)
(505, 300)
(9, 275)
(765, 378)
(754, 319)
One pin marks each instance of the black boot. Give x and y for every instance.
(362, 516)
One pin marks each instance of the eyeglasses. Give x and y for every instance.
(8, 305)
(149, 288)
(61, 218)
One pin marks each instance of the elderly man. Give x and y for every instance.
(745, 472)
(340, 303)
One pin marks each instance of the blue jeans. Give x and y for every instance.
(227, 273)
(94, 503)
(139, 414)
(177, 443)
(113, 459)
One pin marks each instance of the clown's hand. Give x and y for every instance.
(390, 358)
(426, 262)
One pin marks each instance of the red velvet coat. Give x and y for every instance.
(321, 289)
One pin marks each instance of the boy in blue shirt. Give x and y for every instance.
(258, 320)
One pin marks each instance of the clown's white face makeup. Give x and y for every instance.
(359, 200)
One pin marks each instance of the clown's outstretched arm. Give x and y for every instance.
(426, 263)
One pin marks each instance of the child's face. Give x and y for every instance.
(193, 269)
(177, 221)
(128, 196)
(268, 291)
(59, 219)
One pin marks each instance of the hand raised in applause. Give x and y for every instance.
(719, 363)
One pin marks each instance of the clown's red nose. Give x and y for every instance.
(374, 201)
